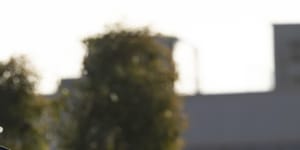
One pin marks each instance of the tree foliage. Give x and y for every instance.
(128, 100)
(20, 107)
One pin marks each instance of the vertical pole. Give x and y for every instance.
(196, 70)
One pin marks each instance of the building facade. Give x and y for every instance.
(249, 121)
(253, 121)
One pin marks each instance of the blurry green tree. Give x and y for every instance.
(20, 107)
(128, 101)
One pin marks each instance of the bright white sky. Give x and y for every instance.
(233, 38)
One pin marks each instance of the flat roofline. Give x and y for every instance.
(286, 24)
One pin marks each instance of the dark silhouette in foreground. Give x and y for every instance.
(3, 148)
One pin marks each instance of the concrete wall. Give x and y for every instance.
(287, 56)
(258, 119)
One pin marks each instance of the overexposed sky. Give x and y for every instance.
(233, 38)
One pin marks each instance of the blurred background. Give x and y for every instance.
(237, 62)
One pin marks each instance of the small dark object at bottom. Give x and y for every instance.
(3, 148)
